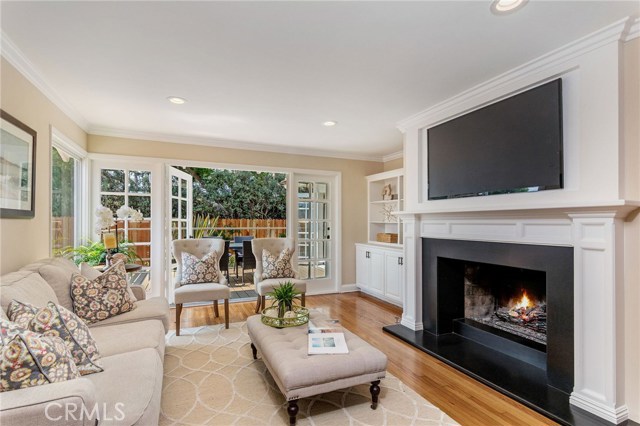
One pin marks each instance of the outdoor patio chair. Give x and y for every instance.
(224, 258)
(201, 291)
(265, 285)
(246, 259)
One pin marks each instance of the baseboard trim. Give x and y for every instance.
(615, 416)
(348, 288)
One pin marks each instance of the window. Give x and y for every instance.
(66, 186)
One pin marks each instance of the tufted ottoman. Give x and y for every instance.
(298, 375)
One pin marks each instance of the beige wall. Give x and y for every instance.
(24, 240)
(354, 195)
(393, 164)
(631, 157)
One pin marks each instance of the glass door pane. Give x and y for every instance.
(314, 227)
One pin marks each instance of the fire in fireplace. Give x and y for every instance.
(506, 298)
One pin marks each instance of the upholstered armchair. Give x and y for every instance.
(264, 285)
(195, 287)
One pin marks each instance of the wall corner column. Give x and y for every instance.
(599, 315)
(412, 286)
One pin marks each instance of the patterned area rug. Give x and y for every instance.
(210, 378)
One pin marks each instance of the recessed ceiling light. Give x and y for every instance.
(504, 7)
(329, 123)
(176, 100)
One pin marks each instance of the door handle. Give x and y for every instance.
(400, 261)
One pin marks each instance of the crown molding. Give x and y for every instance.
(232, 144)
(618, 31)
(633, 30)
(393, 156)
(19, 61)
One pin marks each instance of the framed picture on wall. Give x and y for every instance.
(17, 168)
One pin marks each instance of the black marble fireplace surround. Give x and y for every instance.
(539, 377)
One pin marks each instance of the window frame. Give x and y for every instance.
(61, 142)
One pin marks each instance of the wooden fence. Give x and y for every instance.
(140, 232)
(259, 228)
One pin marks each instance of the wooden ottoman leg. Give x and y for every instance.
(255, 351)
(292, 409)
(375, 391)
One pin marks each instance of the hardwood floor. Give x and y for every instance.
(464, 399)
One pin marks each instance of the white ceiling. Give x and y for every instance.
(273, 72)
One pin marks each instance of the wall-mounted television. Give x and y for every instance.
(514, 145)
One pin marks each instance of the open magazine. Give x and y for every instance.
(326, 337)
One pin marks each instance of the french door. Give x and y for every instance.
(314, 198)
(179, 217)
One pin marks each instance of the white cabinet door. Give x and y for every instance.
(376, 271)
(393, 276)
(362, 267)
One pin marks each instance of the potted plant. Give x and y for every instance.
(283, 297)
(94, 253)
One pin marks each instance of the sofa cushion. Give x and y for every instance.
(277, 266)
(56, 321)
(92, 273)
(31, 359)
(153, 308)
(199, 270)
(127, 337)
(57, 272)
(102, 298)
(130, 388)
(25, 286)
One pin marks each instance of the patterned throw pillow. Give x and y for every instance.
(101, 298)
(195, 271)
(57, 321)
(277, 267)
(91, 273)
(31, 359)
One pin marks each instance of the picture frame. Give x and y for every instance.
(17, 168)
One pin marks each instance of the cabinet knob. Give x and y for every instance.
(400, 261)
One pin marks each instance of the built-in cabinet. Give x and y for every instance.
(380, 271)
(385, 195)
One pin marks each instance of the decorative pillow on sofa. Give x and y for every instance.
(92, 273)
(56, 321)
(277, 267)
(101, 298)
(195, 271)
(31, 359)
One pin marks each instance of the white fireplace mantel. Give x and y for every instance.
(596, 234)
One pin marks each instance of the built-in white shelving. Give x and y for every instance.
(382, 203)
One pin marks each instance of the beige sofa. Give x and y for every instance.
(127, 392)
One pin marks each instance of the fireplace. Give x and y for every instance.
(503, 313)
(499, 272)
(504, 298)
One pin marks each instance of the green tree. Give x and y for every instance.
(238, 194)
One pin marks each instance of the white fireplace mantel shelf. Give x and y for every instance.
(620, 209)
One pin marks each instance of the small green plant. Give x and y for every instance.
(283, 297)
(203, 226)
(94, 253)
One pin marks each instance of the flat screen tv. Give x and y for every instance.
(514, 145)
